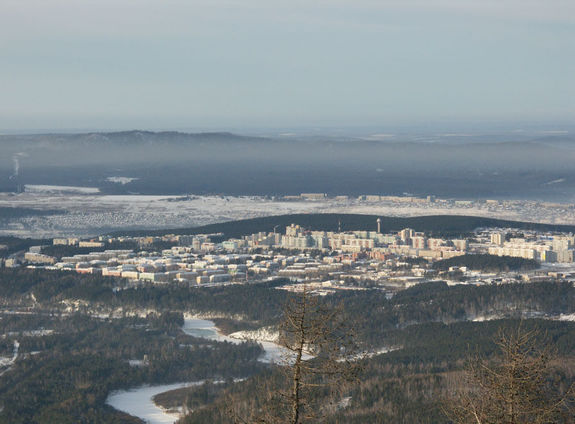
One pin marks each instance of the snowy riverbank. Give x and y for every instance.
(197, 327)
(138, 401)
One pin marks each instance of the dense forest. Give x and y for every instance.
(66, 375)
(445, 225)
(17, 212)
(60, 250)
(71, 359)
(262, 303)
(407, 385)
(490, 263)
(15, 244)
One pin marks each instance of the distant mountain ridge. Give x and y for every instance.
(172, 162)
(470, 146)
(134, 137)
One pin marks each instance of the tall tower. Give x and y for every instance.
(379, 225)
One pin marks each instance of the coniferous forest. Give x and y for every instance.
(78, 336)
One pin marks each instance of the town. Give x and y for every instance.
(326, 260)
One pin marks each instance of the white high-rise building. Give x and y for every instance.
(498, 238)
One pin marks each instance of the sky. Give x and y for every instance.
(120, 64)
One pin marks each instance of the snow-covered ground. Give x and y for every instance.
(91, 214)
(273, 353)
(30, 333)
(566, 317)
(527, 315)
(265, 334)
(121, 180)
(29, 188)
(268, 338)
(6, 363)
(483, 318)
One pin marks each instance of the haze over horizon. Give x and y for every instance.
(253, 64)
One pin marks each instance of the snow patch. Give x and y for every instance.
(264, 334)
(560, 180)
(344, 403)
(483, 318)
(566, 317)
(9, 362)
(121, 180)
(33, 188)
(31, 333)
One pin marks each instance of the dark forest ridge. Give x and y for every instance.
(435, 224)
(500, 165)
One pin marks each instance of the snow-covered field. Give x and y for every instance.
(91, 214)
(60, 189)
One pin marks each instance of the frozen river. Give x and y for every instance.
(207, 329)
(138, 401)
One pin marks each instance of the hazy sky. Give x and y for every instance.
(217, 63)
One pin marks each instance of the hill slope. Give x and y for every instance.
(451, 225)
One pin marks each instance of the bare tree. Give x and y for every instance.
(320, 361)
(515, 389)
(323, 335)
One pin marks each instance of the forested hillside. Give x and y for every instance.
(488, 263)
(73, 360)
(446, 225)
